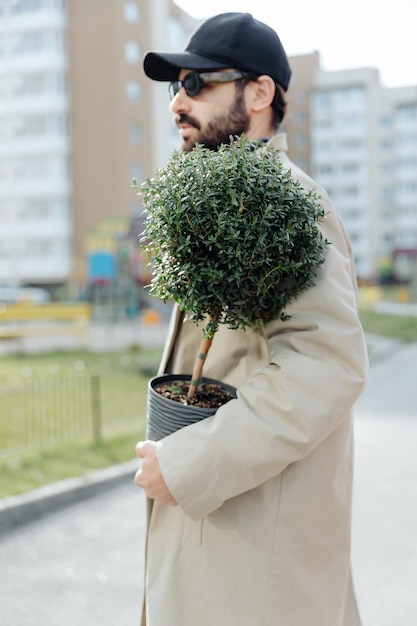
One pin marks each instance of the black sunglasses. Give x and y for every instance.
(194, 82)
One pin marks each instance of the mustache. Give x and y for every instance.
(183, 118)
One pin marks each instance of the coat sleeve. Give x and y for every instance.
(316, 370)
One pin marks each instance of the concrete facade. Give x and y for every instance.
(78, 121)
(359, 140)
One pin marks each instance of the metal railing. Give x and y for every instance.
(39, 413)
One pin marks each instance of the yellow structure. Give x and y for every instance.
(52, 318)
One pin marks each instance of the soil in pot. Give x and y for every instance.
(167, 408)
(207, 395)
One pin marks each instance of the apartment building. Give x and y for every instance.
(404, 182)
(359, 140)
(297, 122)
(78, 121)
(35, 178)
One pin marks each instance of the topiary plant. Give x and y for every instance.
(232, 236)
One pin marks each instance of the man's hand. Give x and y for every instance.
(149, 476)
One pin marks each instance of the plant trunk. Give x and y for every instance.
(198, 366)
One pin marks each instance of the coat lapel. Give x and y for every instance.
(175, 321)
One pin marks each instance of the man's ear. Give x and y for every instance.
(262, 93)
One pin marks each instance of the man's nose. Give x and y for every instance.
(180, 102)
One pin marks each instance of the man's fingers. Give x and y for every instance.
(139, 449)
(144, 448)
(139, 478)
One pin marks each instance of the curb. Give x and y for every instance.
(17, 511)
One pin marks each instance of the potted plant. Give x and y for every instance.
(233, 238)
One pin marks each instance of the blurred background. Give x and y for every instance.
(79, 121)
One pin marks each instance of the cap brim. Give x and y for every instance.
(165, 66)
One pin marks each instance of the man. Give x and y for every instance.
(249, 516)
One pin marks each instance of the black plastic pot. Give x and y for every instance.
(165, 416)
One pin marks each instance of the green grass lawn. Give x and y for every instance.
(36, 466)
(16, 366)
(403, 327)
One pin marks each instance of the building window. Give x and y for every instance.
(407, 112)
(385, 121)
(57, 125)
(133, 90)
(352, 121)
(300, 97)
(385, 144)
(30, 126)
(408, 163)
(301, 140)
(33, 41)
(386, 168)
(300, 117)
(40, 168)
(323, 146)
(36, 41)
(35, 208)
(28, 84)
(351, 143)
(324, 122)
(26, 6)
(38, 248)
(408, 187)
(386, 193)
(136, 173)
(302, 162)
(57, 82)
(324, 169)
(407, 139)
(37, 125)
(349, 167)
(350, 191)
(322, 100)
(135, 133)
(352, 95)
(132, 52)
(131, 11)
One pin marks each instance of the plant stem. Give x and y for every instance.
(198, 366)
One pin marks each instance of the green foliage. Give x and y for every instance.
(231, 234)
(70, 396)
(36, 468)
(402, 327)
(24, 366)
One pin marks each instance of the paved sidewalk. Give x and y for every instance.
(84, 562)
(384, 536)
(17, 511)
(79, 565)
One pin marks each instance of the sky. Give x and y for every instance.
(348, 34)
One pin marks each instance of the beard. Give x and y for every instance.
(220, 129)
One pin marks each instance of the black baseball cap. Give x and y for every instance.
(228, 40)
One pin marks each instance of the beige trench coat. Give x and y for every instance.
(261, 536)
